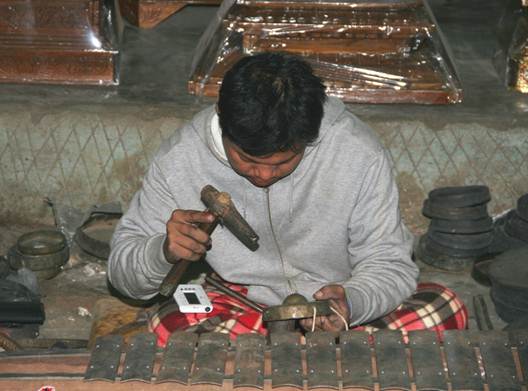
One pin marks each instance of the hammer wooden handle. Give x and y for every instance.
(171, 280)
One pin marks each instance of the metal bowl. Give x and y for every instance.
(44, 252)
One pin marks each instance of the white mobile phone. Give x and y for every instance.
(191, 298)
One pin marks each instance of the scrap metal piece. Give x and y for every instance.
(519, 339)
(462, 362)
(139, 359)
(296, 306)
(211, 356)
(286, 361)
(481, 313)
(356, 364)
(249, 360)
(178, 357)
(104, 359)
(391, 360)
(427, 360)
(321, 360)
(497, 357)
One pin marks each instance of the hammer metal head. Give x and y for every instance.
(220, 204)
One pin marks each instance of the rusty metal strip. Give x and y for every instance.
(462, 362)
(211, 356)
(249, 360)
(139, 359)
(178, 357)
(497, 358)
(356, 363)
(519, 339)
(427, 360)
(321, 360)
(104, 359)
(286, 361)
(391, 360)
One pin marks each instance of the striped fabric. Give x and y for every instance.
(432, 306)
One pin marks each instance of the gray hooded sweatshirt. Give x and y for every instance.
(334, 220)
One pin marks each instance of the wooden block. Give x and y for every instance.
(150, 13)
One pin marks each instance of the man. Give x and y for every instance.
(311, 179)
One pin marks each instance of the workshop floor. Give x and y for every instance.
(69, 298)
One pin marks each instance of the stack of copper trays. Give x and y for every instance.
(370, 52)
(58, 42)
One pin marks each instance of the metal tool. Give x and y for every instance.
(221, 206)
(282, 317)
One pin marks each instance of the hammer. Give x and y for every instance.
(225, 213)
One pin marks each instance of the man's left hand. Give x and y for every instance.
(338, 301)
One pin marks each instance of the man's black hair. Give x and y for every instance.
(271, 102)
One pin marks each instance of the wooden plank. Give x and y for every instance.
(81, 385)
(286, 361)
(427, 360)
(497, 359)
(391, 360)
(139, 359)
(249, 360)
(211, 356)
(105, 357)
(321, 360)
(356, 363)
(464, 373)
(178, 357)
(14, 365)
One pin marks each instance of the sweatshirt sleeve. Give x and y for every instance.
(137, 265)
(383, 273)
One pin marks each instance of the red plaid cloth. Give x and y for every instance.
(432, 306)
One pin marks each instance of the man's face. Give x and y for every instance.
(262, 171)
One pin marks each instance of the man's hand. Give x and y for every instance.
(184, 240)
(336, 295)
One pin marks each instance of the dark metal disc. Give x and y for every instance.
(510, 269)
(461, 241)
(297, 310)
(516, 227)
(522, 207)
(460, 196)
(435, 211)
(462, 226)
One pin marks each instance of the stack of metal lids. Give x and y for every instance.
(509, 284)
(511, 230)
(460, 230)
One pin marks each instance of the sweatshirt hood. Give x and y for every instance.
(207, 126)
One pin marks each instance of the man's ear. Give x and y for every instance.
(216, 108)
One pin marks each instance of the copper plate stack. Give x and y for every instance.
(57, 41)
(375, 51)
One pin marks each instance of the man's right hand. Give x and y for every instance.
(184, 239)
